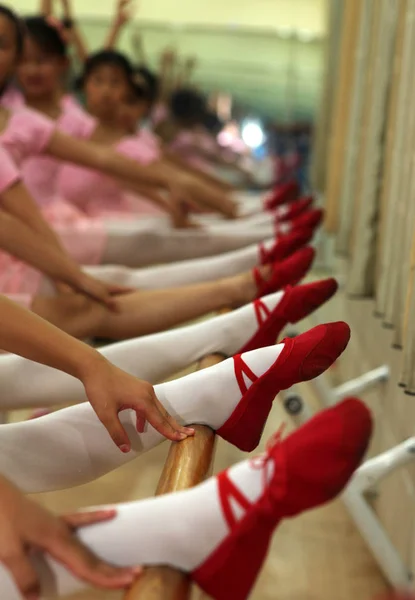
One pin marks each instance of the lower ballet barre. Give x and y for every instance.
(188, 464)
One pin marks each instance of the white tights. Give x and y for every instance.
(71, 446)
(147, 244)
(26, 384)
(181, 530)
(184, 272)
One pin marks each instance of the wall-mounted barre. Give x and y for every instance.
(188, 463)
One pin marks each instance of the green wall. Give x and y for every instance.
(276, 76)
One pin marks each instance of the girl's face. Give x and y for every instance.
(8, 49)
(131, 111)
(39, 73)
(105, 89)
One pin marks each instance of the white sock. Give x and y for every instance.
(26, 384)
(181, 530)
(71, 446)
(185, 272)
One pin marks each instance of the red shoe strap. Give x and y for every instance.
(240, 369)
(262, 312)
(228, 492)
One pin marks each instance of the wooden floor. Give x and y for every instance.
(319, 556)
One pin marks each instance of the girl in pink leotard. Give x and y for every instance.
(25, 237)
(89, 192)
(98, 197)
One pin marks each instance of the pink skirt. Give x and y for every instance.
(84, 238)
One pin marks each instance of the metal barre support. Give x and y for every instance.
(188, 463)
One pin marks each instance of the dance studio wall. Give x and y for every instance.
(267, 53)
(285, 14)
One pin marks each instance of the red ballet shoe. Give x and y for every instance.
(296, 304)
(284, 246)
(309, 468)
(287, 272)
(287, 192)
(302, 358)
(309, 220)
(294, 210)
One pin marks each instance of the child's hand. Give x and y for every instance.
(110, 390)
(26, 526)
(125, 11)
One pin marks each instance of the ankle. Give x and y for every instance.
(239, 290)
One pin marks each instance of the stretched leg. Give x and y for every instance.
(25, 384)
(71, 446)
(210, 531)
(144, 312)
(203, 269)
(132, 248)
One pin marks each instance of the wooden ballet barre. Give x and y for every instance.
(188, 464)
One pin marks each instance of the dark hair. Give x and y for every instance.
(187, 105)
(18, 25)
(106, 58)
(212, 122)
(46, 35)
(150, 83)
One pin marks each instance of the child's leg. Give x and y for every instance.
(148, 247)
(210, 531)
(145, 312)
(183, 272)
(71, 446)
(155, 357)
(204, 269)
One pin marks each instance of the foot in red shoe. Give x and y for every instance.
(284, 246)
(295, 304)
(309, 468)
(291, 211)
(270, 370)
(287, 272)
(282, 194)
(310, 219)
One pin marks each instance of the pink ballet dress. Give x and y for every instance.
(18, 281)
(101, 197)
(26, 138)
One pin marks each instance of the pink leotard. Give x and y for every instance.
(17, 280)
(102, 197)
(26, 138)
